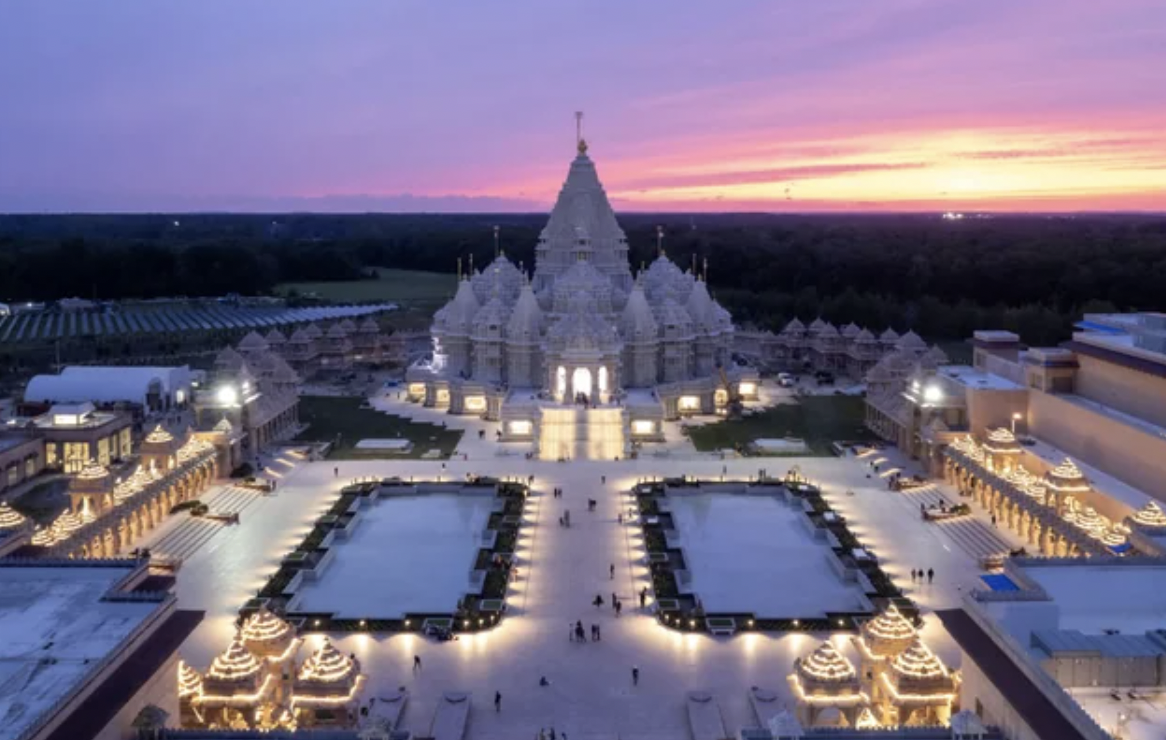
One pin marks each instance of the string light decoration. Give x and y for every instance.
(93, 471)
(265, 634)
(826, 665)
(1001, 441)
(189, 681)
(159, 436)
(236, 665)
(327, 666)
(1067, 478)
(45, 537)
(918, 662)
(10, 518)
(327, 679)
(1037, 490)
(1115, 536)
(193, 449)
(1091, 522)
(1150, 515)
(66, 524)
(887, 635)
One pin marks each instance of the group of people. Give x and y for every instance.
(919, 575)
(575, 632)
(616, 604)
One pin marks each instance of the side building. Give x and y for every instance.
(88, 650)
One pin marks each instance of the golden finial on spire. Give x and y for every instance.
(580, 142)
(706, 269)
(660, 241)
(496, 249)
(471, 264)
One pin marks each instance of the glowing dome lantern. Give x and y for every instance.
(1002, 442)
(887, 635)
(268, 636)
(1150, 515)
(1067, 478)
(11, 518)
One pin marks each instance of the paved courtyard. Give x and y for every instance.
(560, 572)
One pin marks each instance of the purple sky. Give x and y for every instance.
(414, 105)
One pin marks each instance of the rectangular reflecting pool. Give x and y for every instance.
(408, 554)
(752, 554)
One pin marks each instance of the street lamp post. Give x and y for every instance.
(1015, 418)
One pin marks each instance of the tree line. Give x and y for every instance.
(942, 278)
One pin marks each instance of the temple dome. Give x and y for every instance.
(275, 339)
(228, 360)
(826, 666)
(673, 321)
(911, 342)
(794, 327)
(457, 317)
(252, 342)
(889, 336)
(637, 321)
(500, 278)
(491, 319)
(526, 320)
(582, 331)
(266, 634)
(700, 306)
(1002, 441)
(583, 280)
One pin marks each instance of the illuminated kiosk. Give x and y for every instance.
(827, 689)
(582, 357)
(327, 689)
(1003, 451)
(916, 689)
(237, 690)
(274, 640)
(879, 642)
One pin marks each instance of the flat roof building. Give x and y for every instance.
(84, 652)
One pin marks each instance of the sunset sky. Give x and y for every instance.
(434, 105)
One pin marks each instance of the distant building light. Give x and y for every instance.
(932, 394)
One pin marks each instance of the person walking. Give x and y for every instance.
(598, 600)
(614, 599)
(335, 472)
(598, 633)
(643, 597)
(619, 518)
(611, 571)
(930, 575)
(618, 607)
(497, 701)
(416, 662)
(912, 575)
(635, 676)
(603, 480)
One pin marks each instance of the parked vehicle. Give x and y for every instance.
(785, 380)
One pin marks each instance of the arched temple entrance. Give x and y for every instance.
(581, 382)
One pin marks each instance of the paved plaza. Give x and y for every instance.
(560, 571)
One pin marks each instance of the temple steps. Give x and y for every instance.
(975, 537)
(189, 535)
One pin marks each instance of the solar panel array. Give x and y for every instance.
(51, 325)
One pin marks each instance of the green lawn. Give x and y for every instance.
(407, 287)
(820, 420)
(329, 416)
